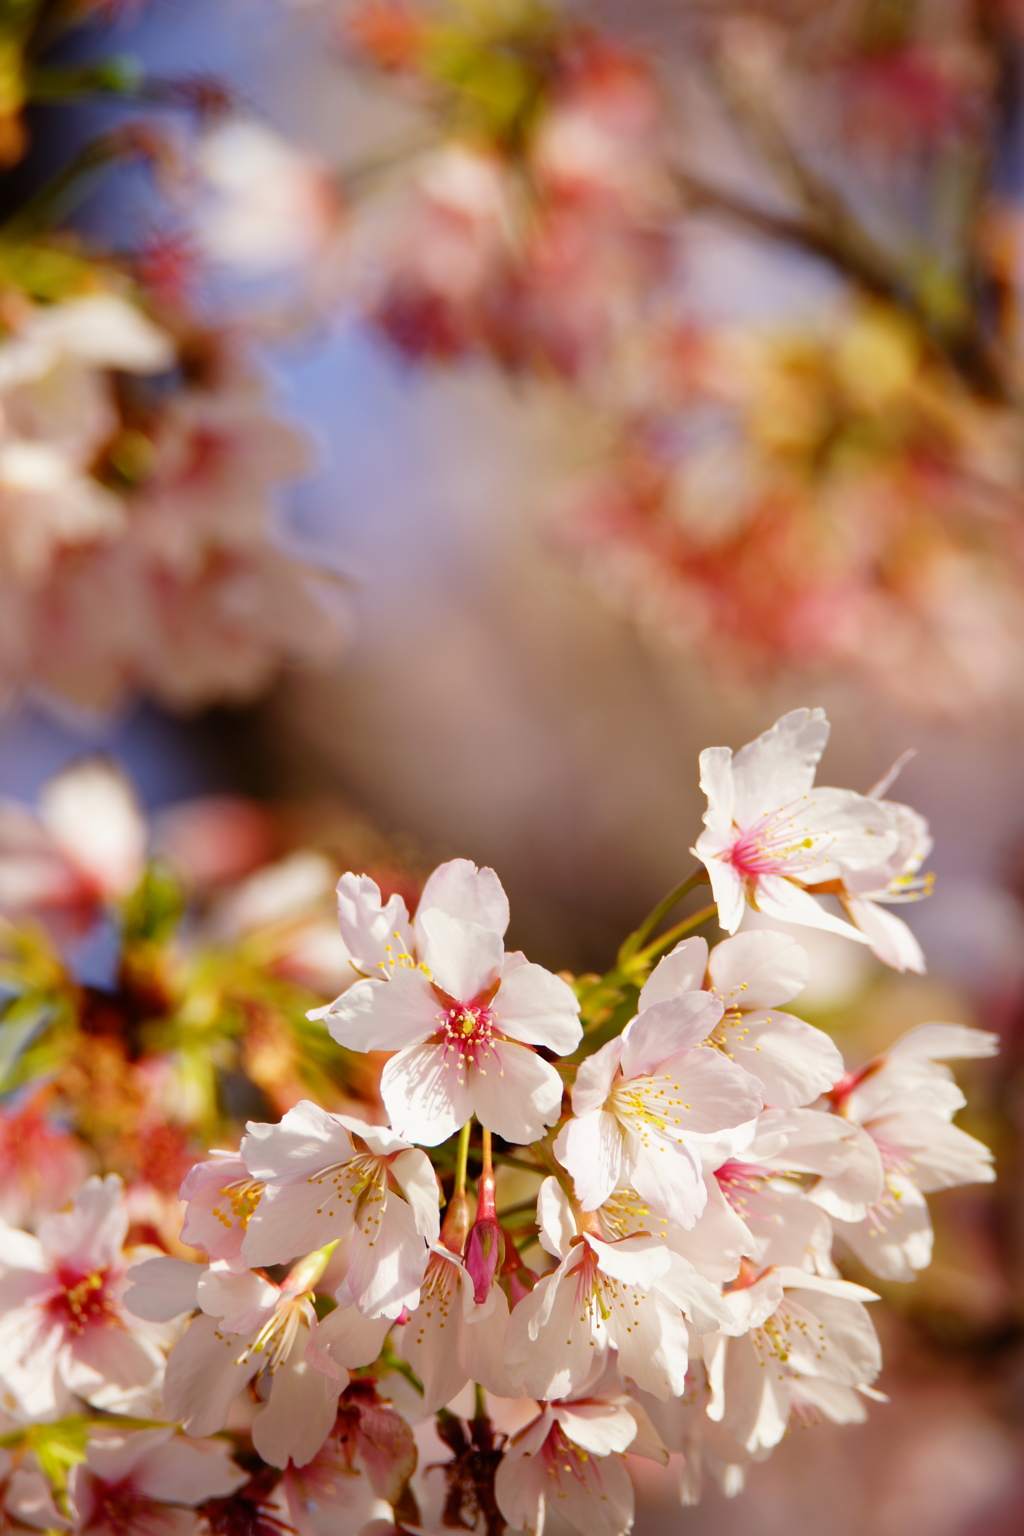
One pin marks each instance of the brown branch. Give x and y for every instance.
(836, 239)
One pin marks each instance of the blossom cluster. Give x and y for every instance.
(140, 457)
(550, 213)
(624, 1227)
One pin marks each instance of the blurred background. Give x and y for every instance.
(505, 402)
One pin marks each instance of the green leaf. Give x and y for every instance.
(151, 914)
(24, 1020)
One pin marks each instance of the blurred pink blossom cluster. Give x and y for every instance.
(137, 508)
(141, 458)
(811, 494)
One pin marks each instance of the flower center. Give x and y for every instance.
(563, 1458)
(81, 1301)
(776, 844)
(739, 1180)
(467, 1035)
(437, 1296)
(360, 1182)
(277, 1336)
(240, 1199)
(121, 1510)
(790, 1326)
(648, 1106)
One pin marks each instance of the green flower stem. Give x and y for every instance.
(462, 1157)
(678, 932)
(636, 939)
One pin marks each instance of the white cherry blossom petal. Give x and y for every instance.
(716, 780)
(681, 970)
(890, 938)
(793, 1061)
(470, 894)
(758, 970)
(92, 1233)
(537, 1008)
(162, 1289)
(386, 1268)
(241, 1299)
(424, 1096)
(726, 886)
(666, 1029)
(555, 1219)
(778, 767)
(180, 1471)
(206, 1371)
(591, 1148)
(598, 1427)
(522, 1098)
(346, 1340)
(413, 1172)
(302, 1142)
(463, 958)
(894, 1240)
(668, 1176)
(384, 1015)
(373, 933)
(943, 1042)
(777, 897)
(595, 1076)
(300, 1413)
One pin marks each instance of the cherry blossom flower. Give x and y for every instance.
(26, 1499)
(148, 1483)
(903, 1104)
(641, 1099)
(64, 1330)
(758, 1205)
(462, 1017)
(770, 834)
(56, 413)
(41, 1165)
(751, 974)
(86, 848)
(630, 1295)
(683, 1426)
(866, 894)
(325, 1175)
(360, 1469)
(571, 1453)
(788, 1333)
(249, 1330)
(450, 1339)
(220, 1196)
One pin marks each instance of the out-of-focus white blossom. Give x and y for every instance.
(64, 1330)
(272, 207)
(148, 1483)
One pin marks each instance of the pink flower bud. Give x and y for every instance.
(485, 1253)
